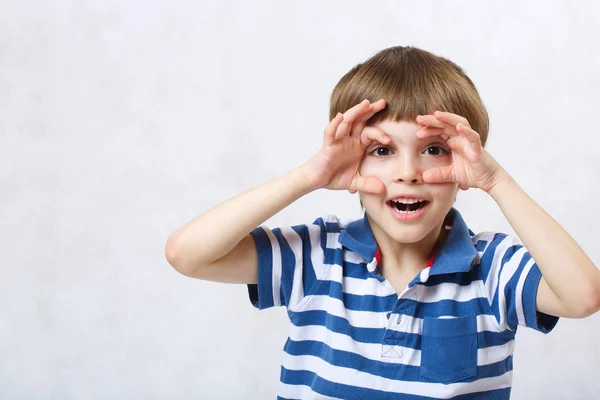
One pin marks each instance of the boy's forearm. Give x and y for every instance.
(569, 272)
(216, 232)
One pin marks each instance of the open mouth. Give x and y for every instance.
(407, 208)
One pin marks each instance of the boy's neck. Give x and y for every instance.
(408, 258)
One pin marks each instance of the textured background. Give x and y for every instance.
(122, 120)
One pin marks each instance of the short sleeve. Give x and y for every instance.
(290, 262)
(510, 279)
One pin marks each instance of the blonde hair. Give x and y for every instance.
(413, 82)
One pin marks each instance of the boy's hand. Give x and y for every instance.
(345, 140)
(471, 165)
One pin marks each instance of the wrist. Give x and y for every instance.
(304, 176)
(502, 182)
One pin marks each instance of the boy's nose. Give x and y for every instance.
(407, 170)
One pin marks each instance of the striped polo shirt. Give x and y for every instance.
(449, 334)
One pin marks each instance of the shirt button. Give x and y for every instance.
(388, 315)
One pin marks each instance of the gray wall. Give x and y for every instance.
(122, 120)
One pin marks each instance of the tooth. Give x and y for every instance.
(407, 201)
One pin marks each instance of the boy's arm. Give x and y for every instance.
(214, 234)
(570, 283)
(218, 244)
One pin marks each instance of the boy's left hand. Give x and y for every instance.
(472, 166)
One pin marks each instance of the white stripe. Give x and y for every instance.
(449, 291)
(493, 276)
(344, 222)
(353, 377)
(429, 294)
(317, 257)
(276, 268)
(410, 356)
(507, 272)
(519, 292)
(353, 257)
(357, 286)
(370, 319)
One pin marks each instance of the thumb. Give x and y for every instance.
(367, 184)
(438, 175)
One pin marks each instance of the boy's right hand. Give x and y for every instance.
(346, 138)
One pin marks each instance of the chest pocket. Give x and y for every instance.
(449, 348)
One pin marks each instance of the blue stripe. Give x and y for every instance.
(376, 335)
(355, 270)
(510, 292)
(506, 257)
(388, 370)
(461, 279)
(348, 392)
(367, 302)
(265, 268)
(288, 261)
(328, 226)
(533, 318)
(374, 303)
(308, 274)
(480, 245)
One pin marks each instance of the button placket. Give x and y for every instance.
(393, 350)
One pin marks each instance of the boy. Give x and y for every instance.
(407, 301)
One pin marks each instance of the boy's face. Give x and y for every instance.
(400, 165)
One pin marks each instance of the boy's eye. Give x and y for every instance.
(435, 151)
(380, 153)
(438, 151)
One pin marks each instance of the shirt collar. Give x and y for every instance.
(456, 254)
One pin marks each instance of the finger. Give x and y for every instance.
(428, 131)
(330, 130)
(349, 117)
(444, 133)
(461, 146)
(366, 184)
(471, 135)
(371, 133)
(430, 120)
(438, 175)
(361, 120)
(373, 109)
(472, 147)
(450, 118)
